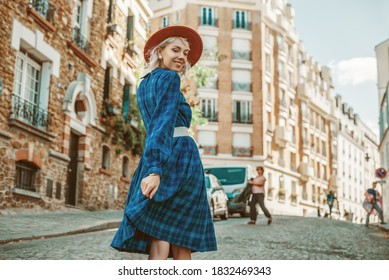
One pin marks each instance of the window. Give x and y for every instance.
(241, 20)
(208, 109)
(110, 12)
(107, 83)
(241, 112)
(25, 176)
(80, 29)
(130, 28)
(268, 91)
(165, 21)
(106, 158)
(268, 63)
(207, 16)
(126, 167)
(126, 101)
(27, 101)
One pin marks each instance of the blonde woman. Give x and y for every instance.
(167, 213)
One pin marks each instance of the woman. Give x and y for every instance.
(167, 213)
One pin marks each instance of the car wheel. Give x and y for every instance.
(224, 216)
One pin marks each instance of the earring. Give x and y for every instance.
(160, 57)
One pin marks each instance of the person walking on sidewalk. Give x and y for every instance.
(372, 202)
(330, 202)
(258, 196)
(167, 212)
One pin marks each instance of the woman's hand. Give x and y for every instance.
(150, 185)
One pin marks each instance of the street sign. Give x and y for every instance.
(380, 173)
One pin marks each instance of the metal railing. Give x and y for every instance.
(208, 21)
(242, 118)
(29, 113)
(246, 25)
(241, 86)
(81, 41)
(241, 55)
(213, 117)
(44, 8)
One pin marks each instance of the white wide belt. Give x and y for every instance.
(180, 131)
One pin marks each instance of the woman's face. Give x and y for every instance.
(174, 55)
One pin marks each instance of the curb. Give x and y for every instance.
(104, 226)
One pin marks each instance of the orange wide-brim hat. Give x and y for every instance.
(193, 38)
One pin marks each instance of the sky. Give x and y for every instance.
(343, 34)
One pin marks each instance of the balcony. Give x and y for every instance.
(242, 118)
(209, 54)
(241, 55)
(80, 40)
(306, 171)
(245, 87)
(283, 136)
(304, 91)
(209, 150)
(213, 117)
(214, 22)
(43, 13)
(29, 113)
(242, 151)
(241, 25)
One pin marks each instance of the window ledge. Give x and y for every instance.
(81, 54)
(41, 20)
(125, 179)
(26, 193)
(31, 129)
(105, 172)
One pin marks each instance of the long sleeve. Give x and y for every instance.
(160, 129)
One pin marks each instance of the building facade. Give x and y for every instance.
(382, 57)
(269, 103)
(69, 73)
(357, 161)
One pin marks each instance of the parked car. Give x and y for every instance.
(217, 198)
(234, 179)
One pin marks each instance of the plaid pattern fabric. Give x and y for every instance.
(179, 212)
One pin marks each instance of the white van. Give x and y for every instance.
(233, 177)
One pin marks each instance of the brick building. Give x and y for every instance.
(269, 102)
(69, 72)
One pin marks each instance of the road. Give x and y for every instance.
(286, 238)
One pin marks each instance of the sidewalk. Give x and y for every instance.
(27, 226)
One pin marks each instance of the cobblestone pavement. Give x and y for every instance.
(287, 238)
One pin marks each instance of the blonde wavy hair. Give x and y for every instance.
(154, 61)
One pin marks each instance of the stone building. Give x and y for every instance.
(269, 102)
(69, 72)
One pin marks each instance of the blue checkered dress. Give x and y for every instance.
(179, 211)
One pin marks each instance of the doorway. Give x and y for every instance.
(71, 193)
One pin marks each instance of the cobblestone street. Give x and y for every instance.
(287, 238)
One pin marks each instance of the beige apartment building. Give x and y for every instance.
(268, 104)
(68, 72)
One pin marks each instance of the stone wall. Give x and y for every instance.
(49, 150)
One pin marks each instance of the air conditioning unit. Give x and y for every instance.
(114, 28)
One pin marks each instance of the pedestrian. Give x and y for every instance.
(330, 201)
(318, 211)
(167, 212)
(258, 196)
(372, 202)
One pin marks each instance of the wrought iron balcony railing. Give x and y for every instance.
(209, 21)
(29, 113)
(213, 117)
(80, 40)
(242, 118)
(44, 8)
(241, 55)
(241, 25)
(241, 86)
